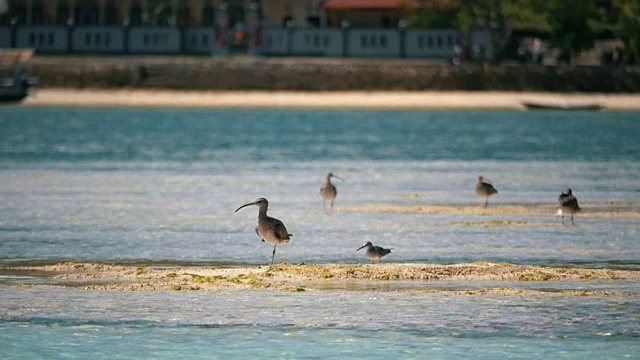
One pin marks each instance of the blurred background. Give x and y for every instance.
(557, 31)
(193, 34)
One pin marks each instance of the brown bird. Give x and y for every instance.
(328, 191)
(374, 252)
(485, 189)
(568, 204)
(269, 229)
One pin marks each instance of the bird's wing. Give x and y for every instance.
(381, 249)
(487, 181)
(258, 232)
(280, 230)
(568, 201)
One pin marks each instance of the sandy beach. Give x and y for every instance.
(324, 100)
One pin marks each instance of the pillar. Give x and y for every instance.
(195, 10)
(101, 12)
(29, 12)
(123, 7)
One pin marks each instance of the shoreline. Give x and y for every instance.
(381, 100)
(409, 277)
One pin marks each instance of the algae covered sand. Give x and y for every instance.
(303, 277)
(591, 210)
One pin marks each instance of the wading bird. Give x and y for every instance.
(374, 252)
(485, 189)
(328, 191)
(568, 204)
(270, 230)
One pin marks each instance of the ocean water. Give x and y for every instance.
(160, 186)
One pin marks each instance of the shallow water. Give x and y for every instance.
(161, 186)
(80, 324)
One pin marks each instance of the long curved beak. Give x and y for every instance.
(361, 247)
(245, 205)
(338, 177)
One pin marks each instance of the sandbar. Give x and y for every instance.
(588, 210)
(310, 277)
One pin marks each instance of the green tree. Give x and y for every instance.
(572, 24)
(500, 17)
(628, 27)
(434, 14)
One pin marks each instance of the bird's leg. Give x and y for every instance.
(486, 202)
(563, 219)
(274, 254)
(331, 208)
(572, 219)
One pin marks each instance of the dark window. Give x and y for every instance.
(235, 11)
(85, 15)
(52, 38)
(135, 16)
(313, 21)
(363, 41)
(107, 39)
(208, 16)
(62, 15)
(430, 42)
(20, 14)
(439, 40)
(383, 41)
(32, 39)
(98, 39)
(110, 15)
(184, 16)
(37, 15)
(87, 39)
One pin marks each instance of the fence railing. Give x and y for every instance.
(333, 42)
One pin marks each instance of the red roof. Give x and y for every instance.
(369, 4)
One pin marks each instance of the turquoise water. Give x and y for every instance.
(160, 186)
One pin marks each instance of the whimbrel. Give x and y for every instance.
(328, 191)
(374, 252)
(568, 203)
(485, 189)
(270, 230)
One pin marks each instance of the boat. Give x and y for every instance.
(16, 88)
(553, 106)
